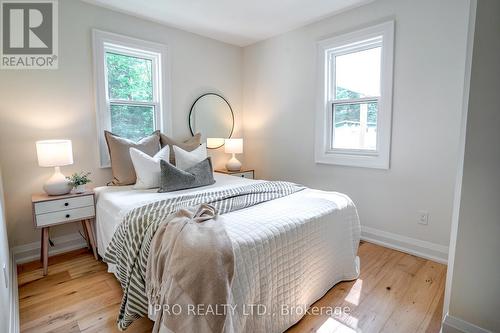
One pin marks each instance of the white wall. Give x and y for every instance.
(475, 290)
(48, 104)
(280, 99)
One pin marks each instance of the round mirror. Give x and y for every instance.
(212, 116)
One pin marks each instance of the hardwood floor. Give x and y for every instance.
(395, 292)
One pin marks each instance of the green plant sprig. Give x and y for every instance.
(77, 179)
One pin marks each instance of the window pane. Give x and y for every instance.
(355, 126)
(357, 74)
(129, 78)
(132, 121)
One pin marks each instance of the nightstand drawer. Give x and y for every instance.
(248, 174)
(65, 216)
(63, 204)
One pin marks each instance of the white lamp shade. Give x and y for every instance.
(214, 143)
(54, 153)
(233, 146)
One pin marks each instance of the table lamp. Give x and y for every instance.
(233, 146)
(55, 153)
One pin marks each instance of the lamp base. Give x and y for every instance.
(233, 164)
(57, 184)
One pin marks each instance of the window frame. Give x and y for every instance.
(104, 42)
(356, 41)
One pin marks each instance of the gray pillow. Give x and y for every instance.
(174, 179)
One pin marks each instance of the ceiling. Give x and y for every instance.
(238, 22)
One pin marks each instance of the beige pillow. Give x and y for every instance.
(119, 153)
(188, 145)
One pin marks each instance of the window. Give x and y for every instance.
(131, 88)
(354, 107)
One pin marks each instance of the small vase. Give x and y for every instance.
(80, 189)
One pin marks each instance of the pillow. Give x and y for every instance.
(188, 145)
(147, 168)
(185, 159)
(119, 153)
(174, 179)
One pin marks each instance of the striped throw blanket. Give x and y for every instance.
(129, 247)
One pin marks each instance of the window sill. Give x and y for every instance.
(354, 159)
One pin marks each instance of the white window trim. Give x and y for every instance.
(158, 53)
(324, 153)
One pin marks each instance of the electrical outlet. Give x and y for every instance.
(423, 217)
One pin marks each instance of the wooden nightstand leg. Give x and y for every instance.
(45, 250)
(90, 232)
(41, 245)
(86, 233)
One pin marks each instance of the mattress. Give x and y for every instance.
(288, 252)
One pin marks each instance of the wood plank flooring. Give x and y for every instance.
(396, 292)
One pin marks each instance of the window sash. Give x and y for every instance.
(331, 131)
(334, 52)
(156, 110)
(360, 100)
(127, 51)
(151, 105)
(154, 93)
(127, 102)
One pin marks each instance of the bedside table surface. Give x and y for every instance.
(41, 197)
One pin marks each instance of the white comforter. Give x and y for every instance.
(288, 252)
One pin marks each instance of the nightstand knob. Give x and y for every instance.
(66, 204)
(67, 216)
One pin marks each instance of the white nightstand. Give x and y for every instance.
(53, 210)
(243, 173)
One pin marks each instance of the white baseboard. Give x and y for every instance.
(453, 324)
(417, 247)
(14, 299)
(30, 252)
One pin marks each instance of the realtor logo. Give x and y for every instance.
(29, 34)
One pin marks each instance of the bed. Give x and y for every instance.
(288, 252)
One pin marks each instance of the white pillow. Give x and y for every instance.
(185, 159)
(147, 168)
